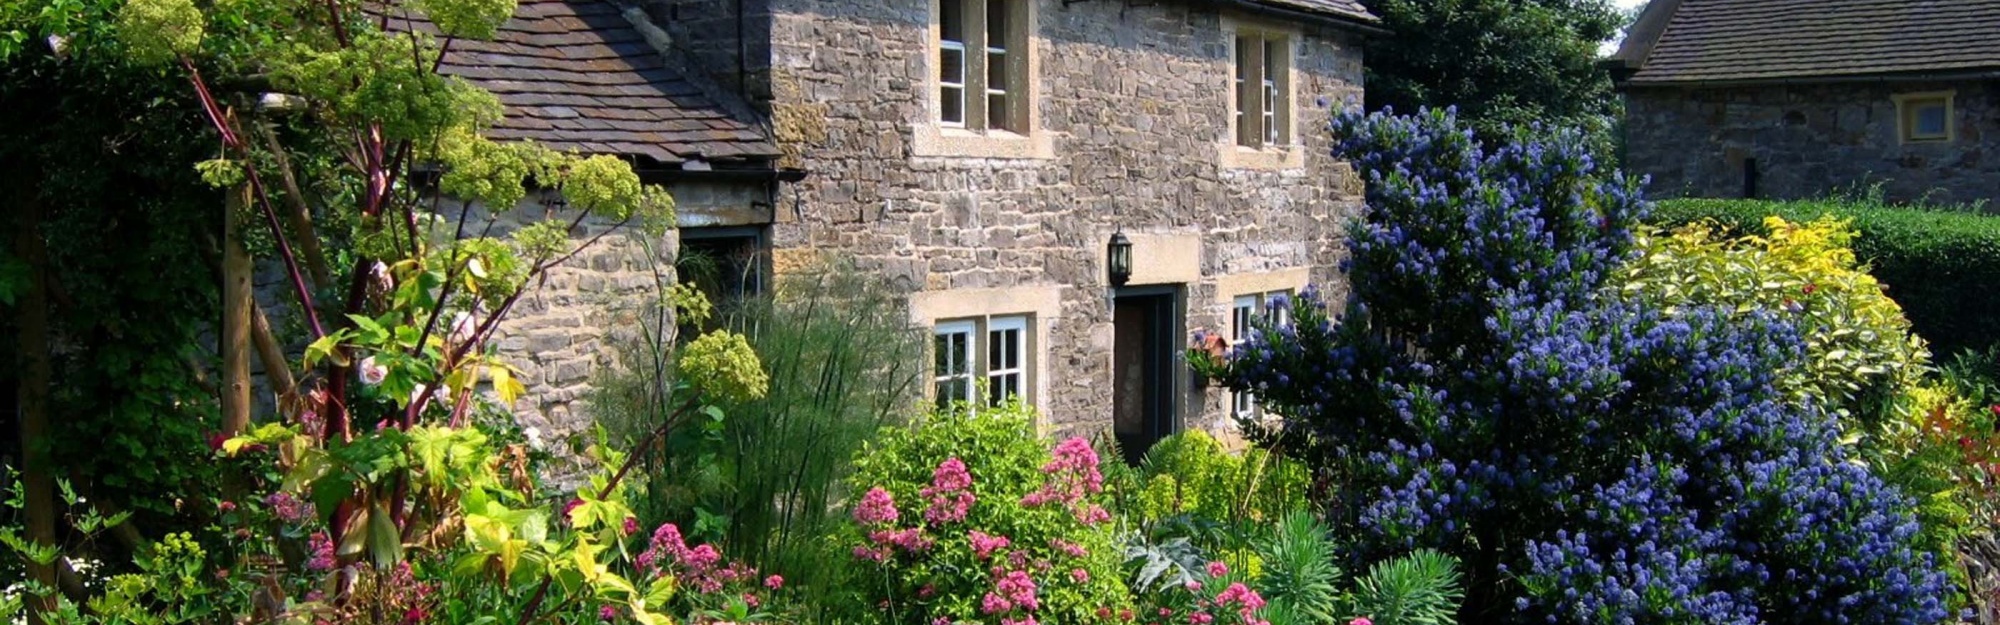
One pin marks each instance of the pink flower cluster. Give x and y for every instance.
(409, 594)
(1015, 589)
(699, 566)
(323, 558)
(288, 508)
(1068, 548)
(983, 544)
(877, 507)
(950, 493)
(1072, 476)
(1246, 600)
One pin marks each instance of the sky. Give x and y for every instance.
(1612, 46)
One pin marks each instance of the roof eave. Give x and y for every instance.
(1365, 25)
(1992, 73)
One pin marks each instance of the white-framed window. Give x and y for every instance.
(1273, 307)
(980, 79)
(983, 361)
(952, 351)
(1925, 117)
(1261, 91)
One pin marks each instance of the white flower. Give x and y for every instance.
(462, 328)
(438, 396)
(534, 435)
(370, 372)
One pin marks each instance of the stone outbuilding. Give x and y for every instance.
(591, 77)
(1790, 99)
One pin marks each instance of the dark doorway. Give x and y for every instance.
(1145, 367)
(726, 264)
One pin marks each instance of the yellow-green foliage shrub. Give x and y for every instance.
(1861, 357)
(1190, 473)
(1860, 351)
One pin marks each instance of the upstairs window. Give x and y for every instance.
(980, 64)
(1262, 89)
(1924, 117)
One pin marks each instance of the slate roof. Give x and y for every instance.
(574, 74)
(1759, 40)
(1350, 9)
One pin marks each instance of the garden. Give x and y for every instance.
(1543, 398)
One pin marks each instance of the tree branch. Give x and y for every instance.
(300, 215)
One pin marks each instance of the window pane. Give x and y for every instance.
(996, 23)
(951, 65)
(1930, 120)
(1241, 100)
(996, 112)
(951, 105)
(951, 20)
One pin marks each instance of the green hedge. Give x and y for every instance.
(1942, 266)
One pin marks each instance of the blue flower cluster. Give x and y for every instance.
(1591, 459)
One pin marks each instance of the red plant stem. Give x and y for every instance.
(339, 29)
(542, 591)
(234, 141)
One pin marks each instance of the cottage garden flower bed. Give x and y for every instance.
(1526, 412)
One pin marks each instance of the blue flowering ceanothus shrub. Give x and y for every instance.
(1589, 458)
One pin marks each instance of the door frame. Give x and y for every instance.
(1172, 394)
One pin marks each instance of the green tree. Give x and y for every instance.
(311, 118)
(1498, 61)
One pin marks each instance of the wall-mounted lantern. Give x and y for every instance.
(1118, 255)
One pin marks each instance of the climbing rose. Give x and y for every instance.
(370, 372)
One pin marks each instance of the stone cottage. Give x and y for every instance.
(1803, 98)
(982, 155)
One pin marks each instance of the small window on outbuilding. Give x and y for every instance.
(1925, 117)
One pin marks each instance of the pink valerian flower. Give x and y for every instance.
(1192, 585)
(984, 545)
(1017, 587)
(877, 507)
(631, 526)
(323, 558)
(1068, 548)
(750, 599)
(1200, 618)
(774, 582)
(908, 539)
(288, 508)
(607, 613)
(1026, 620)
(1217, 569)
(1247, 600)
(1361, 620)
(1072, 477)
(697, 567)
(873, 554)
(994, 604)
(1081, 576)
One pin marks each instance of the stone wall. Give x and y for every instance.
(1811, 141)
(562, 332)
(1135, 101)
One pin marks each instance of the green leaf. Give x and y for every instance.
(385, 544)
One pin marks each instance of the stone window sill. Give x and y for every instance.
(934, 140)
(1272, 158)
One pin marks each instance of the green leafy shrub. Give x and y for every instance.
(1190, 473)
(1860, 353)
(765, 482)
(971, 518)
(1939, 264)
(1417, 589)
(1300, 578)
